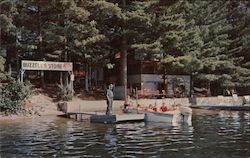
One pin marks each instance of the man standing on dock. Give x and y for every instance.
(110, 97)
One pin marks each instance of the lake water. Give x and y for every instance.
(222, 134)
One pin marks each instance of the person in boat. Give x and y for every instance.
(155, 108)
(109, 97)
(142, 107)
(150, 108)
(175, 106)
(164, 107)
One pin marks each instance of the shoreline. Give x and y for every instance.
(41, 105)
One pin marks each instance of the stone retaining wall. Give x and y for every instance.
(100, 105)
(206, 101)
(219, 101)
(80, 106)
(246, 99)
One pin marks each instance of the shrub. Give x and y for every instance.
(65, 94)
(13, 95)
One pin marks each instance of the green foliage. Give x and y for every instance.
(2, 75)
(178, 81)
(13, 95)
(180, 38)
(180, 90)
(6, 14)
(65, 94)
(67, 32)
(208, 39)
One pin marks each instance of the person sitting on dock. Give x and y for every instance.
(110, 97)
(164, 107)
(126, 104)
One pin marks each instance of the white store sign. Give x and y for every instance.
(46, 65)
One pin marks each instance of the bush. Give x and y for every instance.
(13, 95)
(65, 94)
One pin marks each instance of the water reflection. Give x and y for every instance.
(224, 134)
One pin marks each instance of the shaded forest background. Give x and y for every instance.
(209, 40)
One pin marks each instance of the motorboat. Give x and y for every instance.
(179, 114)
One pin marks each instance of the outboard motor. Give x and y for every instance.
(186, 113)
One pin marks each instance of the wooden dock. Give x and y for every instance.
(116, 118)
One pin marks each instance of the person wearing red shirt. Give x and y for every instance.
(163, 108)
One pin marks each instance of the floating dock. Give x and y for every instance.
(116, 118)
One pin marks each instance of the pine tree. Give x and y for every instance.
(126, 24)
(239, 18)
(221, 66)
(7, 32)
(200, 41)
(180, 38)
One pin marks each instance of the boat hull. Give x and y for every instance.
(157, 117)
(174, 118)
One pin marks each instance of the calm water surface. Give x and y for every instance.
(223, 134)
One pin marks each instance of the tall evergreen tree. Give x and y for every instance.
(126, 24)
(221, 66)
(180, 38)
(7, 31)
(239, 18)
(203, 43)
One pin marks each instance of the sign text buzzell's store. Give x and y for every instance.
(47, 65)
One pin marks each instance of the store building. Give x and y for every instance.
(145, 77)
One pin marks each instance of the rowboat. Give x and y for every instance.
(182, 114)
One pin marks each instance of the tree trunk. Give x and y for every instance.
(209, 89)
(9, 69)
(90, 77)
(123, 72)
(86, 78)
(61, 78)
(95, 77)
(42, 79)
(66, 77)
(18, 67)
(191, 92)
(8, 61)
(123, 66)
(164, 81)
(40, 45)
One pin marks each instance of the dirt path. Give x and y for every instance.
(35, 106)
(43, 105)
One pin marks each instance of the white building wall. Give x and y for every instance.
(151, 81)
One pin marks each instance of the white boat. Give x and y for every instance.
(182, 114)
